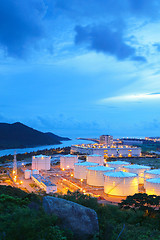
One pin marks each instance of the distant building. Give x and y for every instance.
(41, 162)
(43, 183)
(131, 141)
(107, 151)
(106, 139)
(154, 139)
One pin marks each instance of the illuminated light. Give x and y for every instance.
(14, 172)
(21, 182)
(63, 169)
(67, 166)
(22, 164)
(81, 180)
(84, 191)
(71, 175)
(33, 157)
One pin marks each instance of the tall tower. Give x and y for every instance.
(15, 165)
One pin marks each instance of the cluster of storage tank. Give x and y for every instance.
(118, 178)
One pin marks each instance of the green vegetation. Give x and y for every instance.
(120, 223)
(22, 217)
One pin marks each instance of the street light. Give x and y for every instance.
(81, 181)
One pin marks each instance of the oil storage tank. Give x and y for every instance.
(96, 159)
(68, 161)
(27, 174)
(154, 173)
(118, 165)
(95, 175)
(120, 183)
(41, 162)
(153, 186)
(139, 169)
(80, 169)
(35, 171)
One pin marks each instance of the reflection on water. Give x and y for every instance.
(23, 150)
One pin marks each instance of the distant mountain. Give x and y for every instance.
(18, 135)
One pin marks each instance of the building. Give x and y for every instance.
(41, 162)
(106, 150)
(44, 184)
(106, 139)
(131, 141)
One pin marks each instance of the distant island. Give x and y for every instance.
(18, 135)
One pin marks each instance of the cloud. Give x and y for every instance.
(131, 98)
(157, 45)
(20, 25)
(103, 39)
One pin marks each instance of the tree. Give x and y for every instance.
(141, 201)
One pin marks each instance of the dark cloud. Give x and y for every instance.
(102, 39)
(20, 25)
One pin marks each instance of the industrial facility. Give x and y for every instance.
(138, 169)
(153, 186)
(41, 162)
(68, 161)
(154, 173)
(118, 165)
(80, 169)
(95, 175)
(120, 183)
(46, 185)
(96, 159)
(106, 150)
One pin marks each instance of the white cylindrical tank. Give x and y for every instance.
(35, 171)
(68, 161)
(80, 169)
(95, 175)
(153, 186)
(139, 169)
(120, 183)
(118, 165)
(41, 162)
(154, 173)
(27, 174)
(96, 159)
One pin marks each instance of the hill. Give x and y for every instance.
(18, 135)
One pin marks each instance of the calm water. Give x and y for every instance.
(23, 150)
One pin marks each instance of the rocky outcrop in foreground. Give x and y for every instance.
(82, 221)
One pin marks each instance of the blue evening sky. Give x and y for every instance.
(81, 67)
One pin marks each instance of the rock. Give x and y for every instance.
(82, 221)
